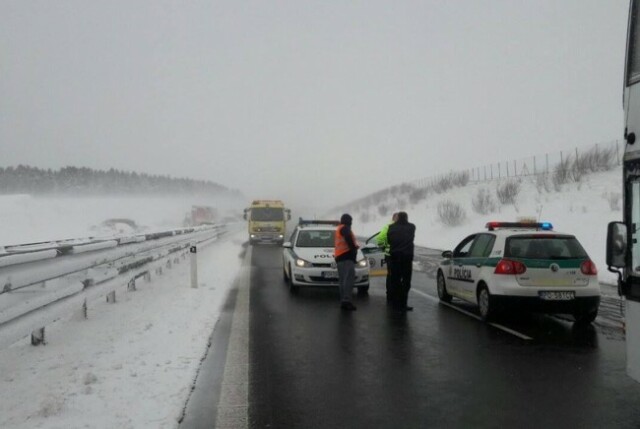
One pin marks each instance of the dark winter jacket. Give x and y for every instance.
(400, 236)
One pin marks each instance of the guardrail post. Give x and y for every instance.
(111, 297)
(193, 250)
(37, 337)
(131, 286)
(168, 264)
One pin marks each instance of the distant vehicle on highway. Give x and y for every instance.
(307, 258)
(201, 215)
(267, 221)
(521, 265)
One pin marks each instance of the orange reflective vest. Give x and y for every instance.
(341, 246)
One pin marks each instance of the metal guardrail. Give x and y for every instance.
(43, 282)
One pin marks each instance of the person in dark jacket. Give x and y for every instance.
(400, 236)
(345, 254)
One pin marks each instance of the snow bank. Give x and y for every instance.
(131, 364)
(582, 209)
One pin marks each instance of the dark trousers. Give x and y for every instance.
(400, 269)
(387, 260)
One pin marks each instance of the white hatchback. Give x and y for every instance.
(307, 258)
(521, 265)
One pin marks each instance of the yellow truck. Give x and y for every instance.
(267, 221)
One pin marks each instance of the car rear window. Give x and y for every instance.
(544, 247)
(310, 238)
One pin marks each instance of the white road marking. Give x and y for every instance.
(495, 325)
(233, 406)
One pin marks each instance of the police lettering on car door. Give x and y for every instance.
(462, 273)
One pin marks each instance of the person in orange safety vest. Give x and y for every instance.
(345, 253)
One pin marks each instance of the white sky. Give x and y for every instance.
(310, 102)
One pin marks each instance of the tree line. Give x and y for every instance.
(25, 179)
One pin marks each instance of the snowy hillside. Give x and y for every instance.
(581, 208)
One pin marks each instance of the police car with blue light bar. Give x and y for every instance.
(307, 258)
(521, 265)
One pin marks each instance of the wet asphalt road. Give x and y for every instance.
(312, 365)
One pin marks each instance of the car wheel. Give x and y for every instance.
(292, 288)
(284, 274)
(363, 290)
(442, 289)
(485, 304)
(586, 317)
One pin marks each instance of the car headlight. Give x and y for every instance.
(303, 264)
(362, 263)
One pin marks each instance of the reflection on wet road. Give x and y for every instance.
(314, 366)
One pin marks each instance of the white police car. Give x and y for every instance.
(307, 259)
(521, 265)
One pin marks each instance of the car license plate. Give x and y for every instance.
(330, 274)
(557, 295)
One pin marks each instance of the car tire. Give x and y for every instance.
(363, 290)
(586, 317)
(486, 304)
(442, 289)
(292, 288)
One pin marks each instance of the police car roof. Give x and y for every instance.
(537, 226)
(316, 223)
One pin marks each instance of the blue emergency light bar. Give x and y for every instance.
(545, 226)
(303, 222)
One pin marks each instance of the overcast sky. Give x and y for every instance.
(307, 101)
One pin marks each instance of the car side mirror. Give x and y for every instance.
(616, 244)
(448, 254)
(287, 245)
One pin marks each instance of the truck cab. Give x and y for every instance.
(267, 221)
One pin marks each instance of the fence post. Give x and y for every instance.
(547, 168)
(506, 163)
(617, 152)
(534, 166)
(515, 168)
(491, 166)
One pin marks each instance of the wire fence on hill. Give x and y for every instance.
(598, 156)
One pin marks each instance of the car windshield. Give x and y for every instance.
(311, 238)
(544, 247)
(267, 214)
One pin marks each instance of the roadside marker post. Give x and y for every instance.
(194, 266)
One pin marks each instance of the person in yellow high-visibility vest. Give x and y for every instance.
(383, 241)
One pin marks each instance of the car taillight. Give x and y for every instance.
(588, 268)
(507, 266)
